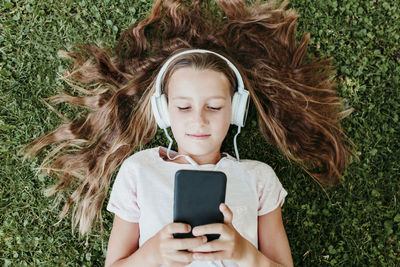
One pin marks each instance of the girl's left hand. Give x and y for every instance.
(229, 246)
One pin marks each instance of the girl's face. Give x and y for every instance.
(199, 105)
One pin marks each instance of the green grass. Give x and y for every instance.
(357, 223)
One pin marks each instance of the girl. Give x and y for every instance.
(298, 111)
(200, 109)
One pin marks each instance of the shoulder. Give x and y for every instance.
(257, 168)
(141, 156)
(262, 173)
(139, 160)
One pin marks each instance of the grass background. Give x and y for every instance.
(356, 223)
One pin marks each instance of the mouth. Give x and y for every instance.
(199, 136)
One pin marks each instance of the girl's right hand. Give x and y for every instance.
(170, 251)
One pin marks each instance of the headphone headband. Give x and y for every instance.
(164, 68)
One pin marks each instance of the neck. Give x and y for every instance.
(201, 160)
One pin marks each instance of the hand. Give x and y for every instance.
(167, 249)
(230, 245)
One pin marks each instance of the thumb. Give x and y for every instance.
(226, 211)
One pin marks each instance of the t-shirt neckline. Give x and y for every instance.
(173, 153)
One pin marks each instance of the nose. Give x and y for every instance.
(200, 117)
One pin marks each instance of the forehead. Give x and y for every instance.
(192, 82)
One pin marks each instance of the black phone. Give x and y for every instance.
(197, 196)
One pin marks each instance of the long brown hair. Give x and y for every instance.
(298, 108)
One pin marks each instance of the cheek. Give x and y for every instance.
(228, 116)
(223, 121)
(177, 125)
(173, 115)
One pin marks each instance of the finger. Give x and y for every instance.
(212, 228)
(173, 228)
(187, 243)
(215, 245)
(226, 211)
(210, 256)
(180, 257)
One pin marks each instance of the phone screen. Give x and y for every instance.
(197, 196)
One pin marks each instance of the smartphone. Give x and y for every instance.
(197, 196)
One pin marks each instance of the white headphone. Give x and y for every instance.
(240, 100)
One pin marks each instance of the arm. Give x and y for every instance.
(162, 248)
(272, 240)
(123, 246)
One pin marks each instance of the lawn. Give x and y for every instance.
(356, 223)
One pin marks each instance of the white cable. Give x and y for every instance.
(221, 263)
(234, 143)
(169, 148)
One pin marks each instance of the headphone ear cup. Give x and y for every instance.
(160, 110)
(164, 110)
(155, 100)
(240, 106)
(235, 101)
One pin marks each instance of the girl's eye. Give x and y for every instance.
(187, 108)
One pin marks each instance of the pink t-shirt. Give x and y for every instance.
(143, 192)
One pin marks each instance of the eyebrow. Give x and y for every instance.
(189, 98)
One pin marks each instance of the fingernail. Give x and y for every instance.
(204, 239)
